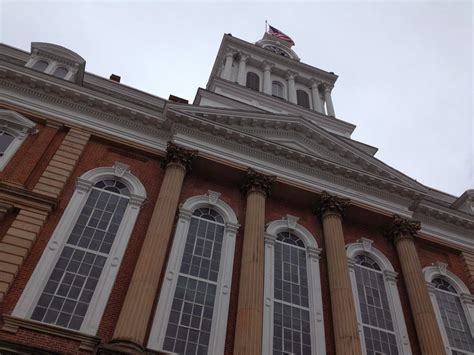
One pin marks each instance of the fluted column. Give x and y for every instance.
(248, 329)
(344, 319)
(317, 104)
(328, 98)
(131, 327)
(241, 71)
(403, 232)
(267, 77)
(290, 77)
(229, 60)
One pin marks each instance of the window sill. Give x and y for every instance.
(13, 324)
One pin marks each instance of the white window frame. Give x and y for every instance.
(364, 246)
(224, 280)
(290, 224)
(467, 299)
(34, 288)
(19, 127)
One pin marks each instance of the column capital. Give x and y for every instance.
(266, 65)
(330, 203)
(255, 181)
(243, 57)
(290, 74)
(314, 83)
(402, 228)
(229, 52)
(179, 155)
(328, 87)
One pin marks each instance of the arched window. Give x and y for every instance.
(60, 72)
(14, 128)
(379, 311)
(293, 316)
(41, 65)
(253, 81)
(454, 308)
(191, 316)
(302, 98)
(84, 253)
(277, 89)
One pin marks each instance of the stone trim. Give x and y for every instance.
(19, 197)
(468, 259)
(13, 324)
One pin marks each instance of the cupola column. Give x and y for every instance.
(330, 209)
(267, 77)
(249, 324)
(290, 77)
(242, 66)
(317, 104)
(403, 232)
(229, 60)
(132, 324)
(328, 98)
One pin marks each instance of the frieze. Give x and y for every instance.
(257, 181)
(330, 203)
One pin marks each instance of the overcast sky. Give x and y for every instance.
(405, 68)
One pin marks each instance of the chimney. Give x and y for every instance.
(177, 99)
(115, 78)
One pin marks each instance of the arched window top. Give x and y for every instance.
(290, 238)
(277, 89)
(253, 81)
(60, 72)
(442, 284)
(113, 186)
(209, 213)
(440, 271)
(367, 261)
(40, 65)
(210, 201)
(5, 140)
(302, 98)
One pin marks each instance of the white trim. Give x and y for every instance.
(29, 298)
(19, 127)
(467, 300)
(221, 306)
(290, 223)
(364, 246)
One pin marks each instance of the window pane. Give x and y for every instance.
(189, 325)
(253, 81)
(60, 72)
(302, 98)
(5, 140)
(41, 65)
(67, 294)
(277, 89)
(291, 333)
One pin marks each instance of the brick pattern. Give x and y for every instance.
(468, 259)
(53, 179)
(21, 235)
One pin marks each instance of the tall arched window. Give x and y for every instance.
(14, 128)
(253, 81)
(454, 308)
(191, 316)
(277, 89)
(379, 311)
(302, 98)
(72, 281)
(293, 315)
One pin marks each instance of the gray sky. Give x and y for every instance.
(405, 68)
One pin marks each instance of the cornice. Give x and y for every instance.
(19, 197)
(443, 214)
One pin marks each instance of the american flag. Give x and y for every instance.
(277, 33)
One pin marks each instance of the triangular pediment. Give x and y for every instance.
(297, 134)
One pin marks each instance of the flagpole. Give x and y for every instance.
(266, 26)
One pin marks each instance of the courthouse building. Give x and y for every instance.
(246, 222)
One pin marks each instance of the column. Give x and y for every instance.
(229, 60)
(317, 104)
(403, 233)
(249, 324)
(344, 319)
(267, 78)
(329, 104)
(134, 317)
(242, 65)
(290, 77)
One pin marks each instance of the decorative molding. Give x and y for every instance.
(121, 169)
(329, 203)
(213, 197)
(291, 220)
(255, 181)
(19, 197)
(366, 244)
(179, 155)
(402, 227)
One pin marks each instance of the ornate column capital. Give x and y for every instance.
(402, 228)
(255, 181)
(229, 52)
(266, 65)
(179, 155)
(314, 83)
(327, 87)
(290, 74)
(330, 203)
(243, 57)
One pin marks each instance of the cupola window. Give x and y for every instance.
(60, 72)
(277, 89)
(41, 65)
(302, 98)
(253, 81)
